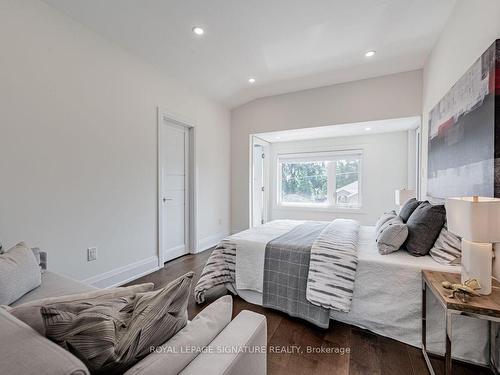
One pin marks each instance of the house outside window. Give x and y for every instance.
(324, 179)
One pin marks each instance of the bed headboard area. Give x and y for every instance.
(464, 133)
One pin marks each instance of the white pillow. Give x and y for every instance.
(447, 249)
(19, 273)
(384, 218)
(392, 236)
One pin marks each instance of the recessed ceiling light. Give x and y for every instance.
(370, 53)
(368, 129)
(198, 30)
(278, 137)
(251, 80)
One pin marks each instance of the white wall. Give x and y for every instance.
(471, 29)
(78, 147)
(393, 96)
(384, 169)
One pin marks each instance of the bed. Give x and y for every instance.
(387, 292)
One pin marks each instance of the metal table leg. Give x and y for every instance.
(448, 364)
(424, 328)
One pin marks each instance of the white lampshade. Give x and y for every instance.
(475, 219)
(404, 195)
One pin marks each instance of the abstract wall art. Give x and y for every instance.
(464, 133)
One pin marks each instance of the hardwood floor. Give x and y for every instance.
(368, 353)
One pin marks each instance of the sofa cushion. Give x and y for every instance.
(174, 355)
(408, 208)
(248, 330)
(19, 273)
(24, 351)
(30, 312)
(424, 226)
(54, 285)
(392, 236)
(112, 335)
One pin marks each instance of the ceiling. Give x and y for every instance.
(343, 130)
(287, 45)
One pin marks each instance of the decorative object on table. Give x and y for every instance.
(462, 291)
(477, 221)
(463, 128)
(403, 195)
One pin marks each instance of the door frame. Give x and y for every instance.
(191, 178)
(266, 147)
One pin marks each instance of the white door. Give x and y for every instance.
(258, 186)
(174, 170)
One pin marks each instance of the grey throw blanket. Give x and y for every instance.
(286, 268)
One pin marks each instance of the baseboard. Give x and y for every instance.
(210, 241)
(123, 275)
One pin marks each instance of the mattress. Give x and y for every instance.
(387, 300)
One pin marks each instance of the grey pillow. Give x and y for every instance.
(408, 209)
(386, 216)
(19, 273)
(424, 226)
(200, 332)
(111, 336)
(447, 249)
(30, 312)
(392, 236)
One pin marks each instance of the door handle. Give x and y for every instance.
(167, 199)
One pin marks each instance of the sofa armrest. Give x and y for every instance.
(239, 349)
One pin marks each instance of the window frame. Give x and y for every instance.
(330, 205)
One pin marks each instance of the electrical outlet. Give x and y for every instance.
(91, 254)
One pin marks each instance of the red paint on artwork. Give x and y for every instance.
(497, 81)
(443, 128)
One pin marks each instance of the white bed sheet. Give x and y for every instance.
(387, 300)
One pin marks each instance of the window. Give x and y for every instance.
(327, 179)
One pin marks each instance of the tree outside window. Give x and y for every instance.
(333, 180)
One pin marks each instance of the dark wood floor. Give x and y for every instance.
(369, 353)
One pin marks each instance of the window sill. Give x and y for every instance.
(320, 208)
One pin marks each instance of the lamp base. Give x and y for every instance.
(477, 263)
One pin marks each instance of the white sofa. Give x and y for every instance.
(25, 352)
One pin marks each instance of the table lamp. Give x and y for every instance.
(404, 195)
(477, 221)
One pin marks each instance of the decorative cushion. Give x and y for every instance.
(111, 336)
(424, 226)
(408, 209)
(30, 312)
(174, 355)
(392, 236)
(24, 351)
(447, 249)
(19, 273)
(386, 216)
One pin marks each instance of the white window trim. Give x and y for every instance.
(355, 154)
